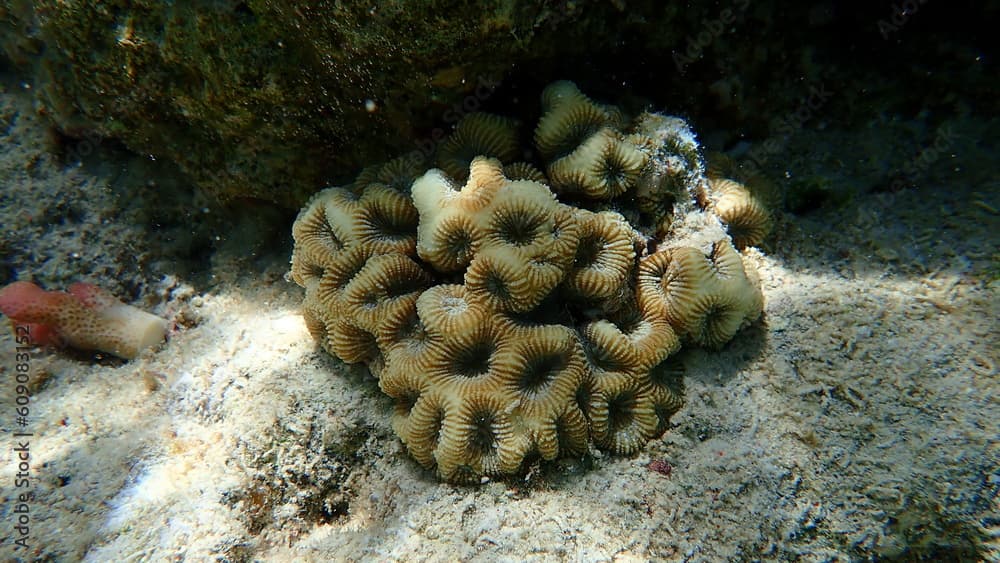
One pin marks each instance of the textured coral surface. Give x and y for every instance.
(510, 323)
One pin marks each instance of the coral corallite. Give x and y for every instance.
(515, 315)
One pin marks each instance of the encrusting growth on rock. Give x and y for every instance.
(516, 315)
(86, 318)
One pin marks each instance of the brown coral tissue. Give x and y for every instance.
(519, 311)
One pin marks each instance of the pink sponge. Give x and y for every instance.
(87, 317)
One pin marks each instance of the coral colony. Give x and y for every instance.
(516, 313)
(86, 317)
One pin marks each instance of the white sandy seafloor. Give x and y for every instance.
(858, 420)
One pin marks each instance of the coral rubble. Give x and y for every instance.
(86, 317)
(514, 314)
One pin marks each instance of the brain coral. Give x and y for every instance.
(515, 314)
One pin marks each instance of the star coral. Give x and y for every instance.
(746, 217)
(706, 299)
(478, 134)
(588, 154)
(516, 315)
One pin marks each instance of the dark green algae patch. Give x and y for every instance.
(266, 99)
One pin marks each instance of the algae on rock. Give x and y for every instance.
(261, 99)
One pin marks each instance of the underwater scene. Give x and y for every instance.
(564, 280)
